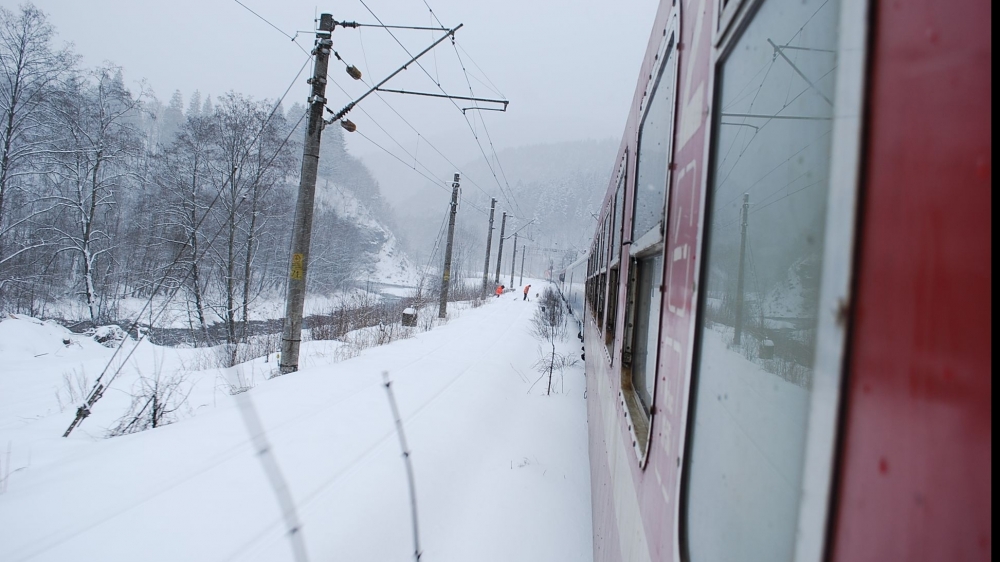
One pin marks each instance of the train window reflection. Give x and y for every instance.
(654, 149)
(757, 326)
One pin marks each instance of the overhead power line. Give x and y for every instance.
(508, 197)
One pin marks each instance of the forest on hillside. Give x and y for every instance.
(108, 196)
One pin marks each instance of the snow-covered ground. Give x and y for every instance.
(501, 470)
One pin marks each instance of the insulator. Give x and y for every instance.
(354, 72)
(349, 125)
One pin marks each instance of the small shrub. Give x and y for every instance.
(74, 389)
(155, 401)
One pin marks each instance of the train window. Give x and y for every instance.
(642, 313)
(655, 135)
(613, 272)
(757, 325)
(619, 216)
(648, 278)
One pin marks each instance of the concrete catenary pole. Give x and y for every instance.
(503, 225)
(489, 242)
(446, 270)
(738, 328)
(291, 335)
(513, 261)
(523, 252)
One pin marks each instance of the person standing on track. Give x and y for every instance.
(500, 291)
(526, 289)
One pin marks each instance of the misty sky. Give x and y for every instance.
(568, 67)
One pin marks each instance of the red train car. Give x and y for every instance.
(787, 301)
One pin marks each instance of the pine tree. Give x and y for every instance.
(173, 118)
(194, 106)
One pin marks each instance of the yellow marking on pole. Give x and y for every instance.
(298, 267)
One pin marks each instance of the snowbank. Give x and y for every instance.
(501, 473)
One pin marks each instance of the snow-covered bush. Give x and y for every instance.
(108, 336)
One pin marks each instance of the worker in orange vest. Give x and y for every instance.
(526, 289)
(500, 291)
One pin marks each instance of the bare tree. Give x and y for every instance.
(29, 70)
(89, 166)
(182, 178)
(155, 400)
(250, 163)
(548, 324)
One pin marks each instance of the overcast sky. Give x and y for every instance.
(568, 67)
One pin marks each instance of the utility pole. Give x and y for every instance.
(513, 261)
(503, 225)
(291, 336)
(446, 274)
(523, 252)
(489, 242)
(738, 329)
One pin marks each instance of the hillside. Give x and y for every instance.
(557, 185)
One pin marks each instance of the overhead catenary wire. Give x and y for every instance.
(495, 89)
(465, 176)
(491, 85)
(263, 19)
(388, 28)
(439, 183)
(775, 168)
(377, 93)
(430, 179)
(434, 249)
(434, 180)
(481, 120)
(510, 201)
(786, 104)
(486, 130)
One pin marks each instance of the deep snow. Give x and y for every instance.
(501, 473)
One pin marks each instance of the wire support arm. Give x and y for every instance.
(354, 24)
(503, 109)
(340, 114)
(779, 51)
(451, 97)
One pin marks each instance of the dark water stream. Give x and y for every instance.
(216, 332)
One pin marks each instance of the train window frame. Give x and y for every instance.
(648, 246)
(617, 208)
(725, 15)
(823, 421)
(602, 274)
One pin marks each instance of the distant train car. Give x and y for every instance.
(787, 322)
(572, 283)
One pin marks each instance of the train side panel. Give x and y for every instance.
(917, 450)
(635, 502)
